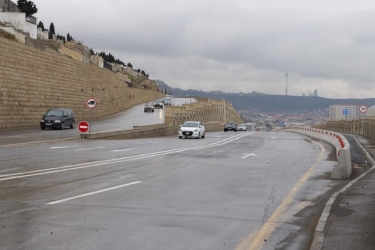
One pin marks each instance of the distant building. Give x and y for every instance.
(315, 92)
(371, 111)
(8, 6)
(336, 112)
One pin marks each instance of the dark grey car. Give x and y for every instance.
(230, 126)
(58, 118)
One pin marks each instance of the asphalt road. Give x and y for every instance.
(228, 191)
(121, 121)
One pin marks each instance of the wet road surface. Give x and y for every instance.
(229, 191)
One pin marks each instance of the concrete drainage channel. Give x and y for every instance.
(318, 240)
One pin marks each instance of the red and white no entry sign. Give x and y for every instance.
(83, 127)
(91, 103)
(363, 109)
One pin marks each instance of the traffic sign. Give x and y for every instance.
(83, 127)
(345, 111)
(91, 103)
(363, 109)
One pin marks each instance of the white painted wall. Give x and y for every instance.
(19, 36)
(32, 29)
(18, 20)
(42, 35)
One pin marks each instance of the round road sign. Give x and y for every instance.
(363, 109)
(91, 103)
(83, 127)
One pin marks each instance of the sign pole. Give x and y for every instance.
(363, 110)
(91, 104)
(363, 116)
(90, 121)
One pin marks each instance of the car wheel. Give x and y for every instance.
(62, 126)
(225, 130)
(43, 128)
(180, 137)
(235, 130)
(204, 135)
(73, 124)
(153, 110)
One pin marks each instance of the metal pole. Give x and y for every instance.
(90, 121)
(363, 116)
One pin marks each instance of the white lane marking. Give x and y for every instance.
(83, 149)
(156, 142)
(36, 142)
(244, 157)
(273, 137)
(64, 147)
(123, 150)
(219, 143)
(92, 193)
(111, 161)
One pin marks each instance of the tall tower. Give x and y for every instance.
(286, 87)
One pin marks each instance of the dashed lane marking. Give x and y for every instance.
(92, 193)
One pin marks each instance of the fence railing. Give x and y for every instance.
(360, 126)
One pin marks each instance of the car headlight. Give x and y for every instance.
(42, 121)
(196, 130)
(57, 121)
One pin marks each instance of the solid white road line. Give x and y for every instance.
(35, 142)
(244, 157)
(92, 193)
(111, 161)
(84, 149)
(64, 147)
(123, 150)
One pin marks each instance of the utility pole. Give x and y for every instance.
(286, 83)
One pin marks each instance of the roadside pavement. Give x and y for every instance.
(351, 223)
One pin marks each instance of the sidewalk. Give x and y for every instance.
(351, 223)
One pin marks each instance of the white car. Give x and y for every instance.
(241, 127)
(192, 129)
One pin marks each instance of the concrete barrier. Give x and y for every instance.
(343, 168)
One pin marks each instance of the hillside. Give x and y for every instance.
(268, 103)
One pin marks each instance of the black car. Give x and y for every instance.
(58, 118)
(230, 126)
(158, 104)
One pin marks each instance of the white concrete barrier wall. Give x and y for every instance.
(343, 169)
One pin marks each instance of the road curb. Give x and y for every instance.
(318, 241)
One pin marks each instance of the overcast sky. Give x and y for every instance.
(233, 46)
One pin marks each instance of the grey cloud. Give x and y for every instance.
(251, 44)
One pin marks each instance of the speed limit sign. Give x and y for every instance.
(363, 109)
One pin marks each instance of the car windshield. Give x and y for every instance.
(54, 113)
(191, 124)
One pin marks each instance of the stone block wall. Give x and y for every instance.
(33, 81)
(205, 110)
